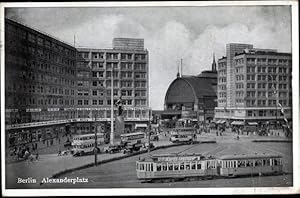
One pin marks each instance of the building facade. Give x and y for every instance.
(192, 97)
(124, 68)
(258, 82)
(52, 88)
(40, 83)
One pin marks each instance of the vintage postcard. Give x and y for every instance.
(151, 98)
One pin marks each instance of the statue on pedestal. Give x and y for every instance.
(120, 106)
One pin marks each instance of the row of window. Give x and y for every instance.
(263, 113)
(250, 163)
(29, 88)
(138, 102)
(196, 165)
(43, 77)
(48, 56)
(262, 103)
(112, 56)
(268, 61)
(41, 101)
(35, 38)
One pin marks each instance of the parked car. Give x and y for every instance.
(113, 149)
(67, 152)
(68, 144)
(130, 148)
(154, 137)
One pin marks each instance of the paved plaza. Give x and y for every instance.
(50, 164)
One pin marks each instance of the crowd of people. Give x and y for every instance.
(25, 153)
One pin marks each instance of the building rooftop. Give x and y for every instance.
(40, 32)
(208, 74)
(265, 53)
(202, 86)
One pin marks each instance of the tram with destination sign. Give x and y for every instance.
(172, 167)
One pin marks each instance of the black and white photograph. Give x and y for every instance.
(149, 98)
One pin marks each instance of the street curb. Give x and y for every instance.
(60, 173)
(272, 141)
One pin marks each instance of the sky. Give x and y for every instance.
(170, 33)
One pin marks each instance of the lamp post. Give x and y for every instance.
(275, 92)
(96, 147)
(112, 108)
(149, 129)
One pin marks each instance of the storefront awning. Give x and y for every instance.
(252, 123)
(141, 125)
(237, 123)
(220, 121)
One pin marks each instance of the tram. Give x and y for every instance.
(237, 165)
(171, 167)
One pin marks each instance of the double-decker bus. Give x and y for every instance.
(133, 138)
(85, 144)
(133, 141)
(187, 134)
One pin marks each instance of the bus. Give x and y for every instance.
(187, 134)
(133, 141)
(85, 144)
(133, 138)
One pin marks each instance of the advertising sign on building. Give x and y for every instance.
(188, 114)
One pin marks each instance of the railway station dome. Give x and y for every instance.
(191, 92)
(193, 97)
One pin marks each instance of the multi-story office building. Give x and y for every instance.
(124, 65)
(253, 84)
(40, 83)
(52, 88)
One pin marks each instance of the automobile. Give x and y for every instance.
(67, 144)
(151, 145)
(181, 138)
(83, 152)
(130, 148)
(154, 137)
(67, 152)
(113, 149)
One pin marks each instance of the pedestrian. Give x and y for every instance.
(26, 154)
(31, 158)
(37, 156)
(59, 152)
(35, 146)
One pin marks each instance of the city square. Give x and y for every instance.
(111, 99)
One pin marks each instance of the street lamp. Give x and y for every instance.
(275, 92)
(149, 129)
(112, 108)
(96, 148)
